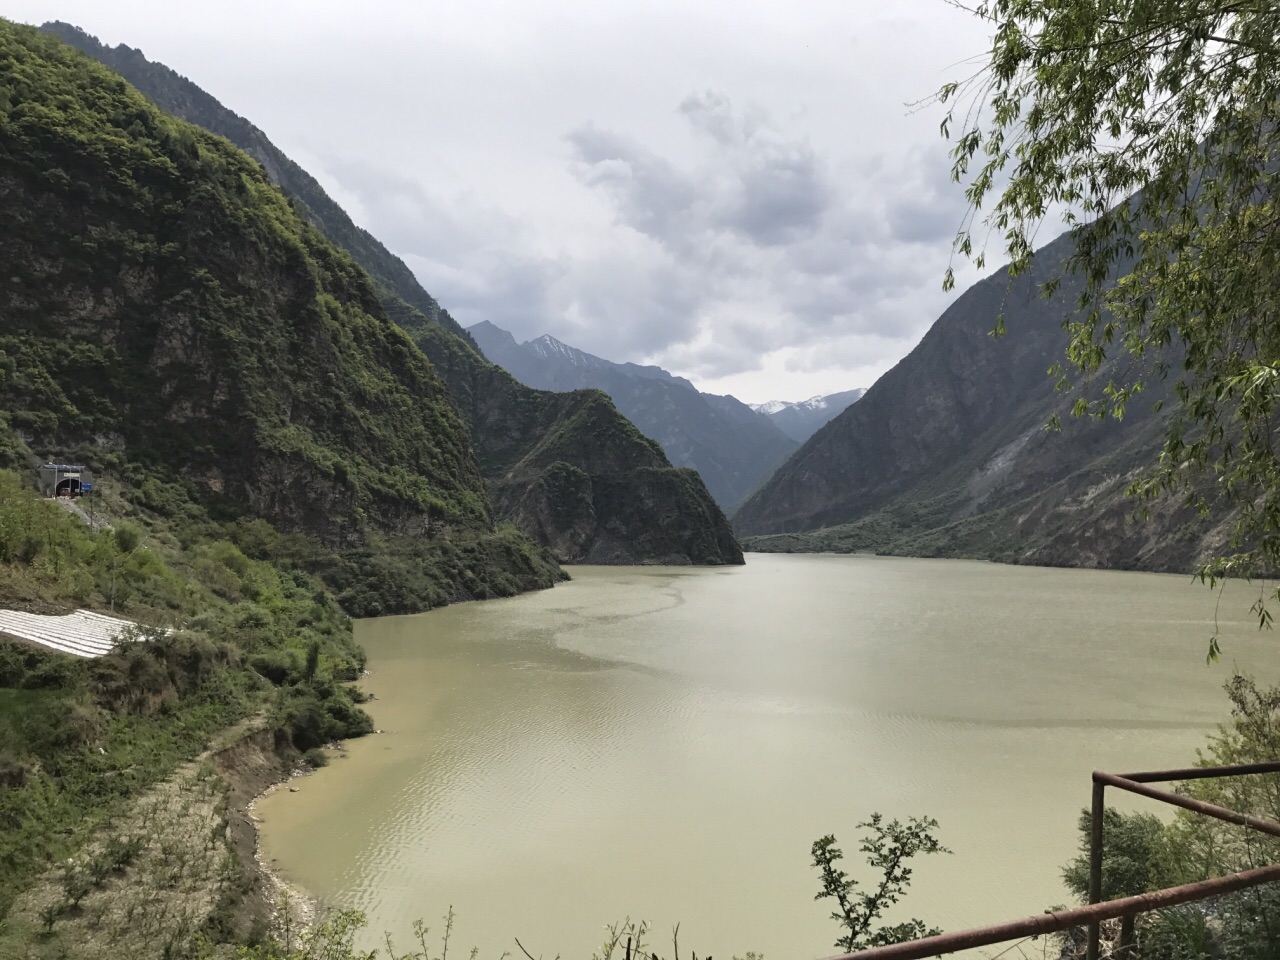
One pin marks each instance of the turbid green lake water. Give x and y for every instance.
(667, 743)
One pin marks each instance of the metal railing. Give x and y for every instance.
(1126, 908)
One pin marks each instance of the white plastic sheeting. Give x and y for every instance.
(81, 634)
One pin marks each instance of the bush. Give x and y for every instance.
(316, 758)
(1136, 856)
(314, 717)
(278, 666)
(128, 537)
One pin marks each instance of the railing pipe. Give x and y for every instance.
(1095, 912)
(1188, 803)
(1202, 773)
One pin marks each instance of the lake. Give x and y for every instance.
(667, 743)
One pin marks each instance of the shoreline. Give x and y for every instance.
(251, 767)
(294, 911)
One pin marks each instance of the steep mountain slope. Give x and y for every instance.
(161, 291)
(731, 446)
(947, 453)
(800, 420)
(506, 421)
(175, 94)
(165, 306)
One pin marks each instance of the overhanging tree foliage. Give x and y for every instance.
(1150, 128)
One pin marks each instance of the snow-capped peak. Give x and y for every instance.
(769, 406)
(776, 406)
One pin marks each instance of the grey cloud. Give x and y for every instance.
(782, 194)
(475, 260)
(651, 195)
(767, 248)
(756, 184)
(931, 207)
(712, 113)
(628, 305)
(752, 247)
(481, 264)
(748, 248)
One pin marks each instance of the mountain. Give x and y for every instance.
(548, 364)
(731, 446)
(169, 317)
(622, 514)
(801, 420)
(175, 94)
(947, 454)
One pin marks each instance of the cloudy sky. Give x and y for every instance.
(736, 191)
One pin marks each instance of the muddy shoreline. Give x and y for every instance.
(294, 912)
(252, 767)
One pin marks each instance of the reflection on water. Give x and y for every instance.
(667, 743)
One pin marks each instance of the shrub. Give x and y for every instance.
(316, 758)
(278, 666)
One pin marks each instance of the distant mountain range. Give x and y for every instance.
(733, 446)
(801, 419)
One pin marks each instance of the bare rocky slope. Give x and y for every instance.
(512, 427)
(948, 455)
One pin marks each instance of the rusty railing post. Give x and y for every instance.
(1095, 863)
(1125, 947)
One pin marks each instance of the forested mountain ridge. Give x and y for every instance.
(732, 447)
(177, 95)
(507, 421)
(947, 454)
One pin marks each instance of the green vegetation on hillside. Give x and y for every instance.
(172, 320)
(80, 738)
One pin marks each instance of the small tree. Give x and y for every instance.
(888, 847)
(1136, 856)
(313, 661)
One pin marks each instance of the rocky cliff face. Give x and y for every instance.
(732, 447)
(576, 474)
(948, 455)
(508, 423)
